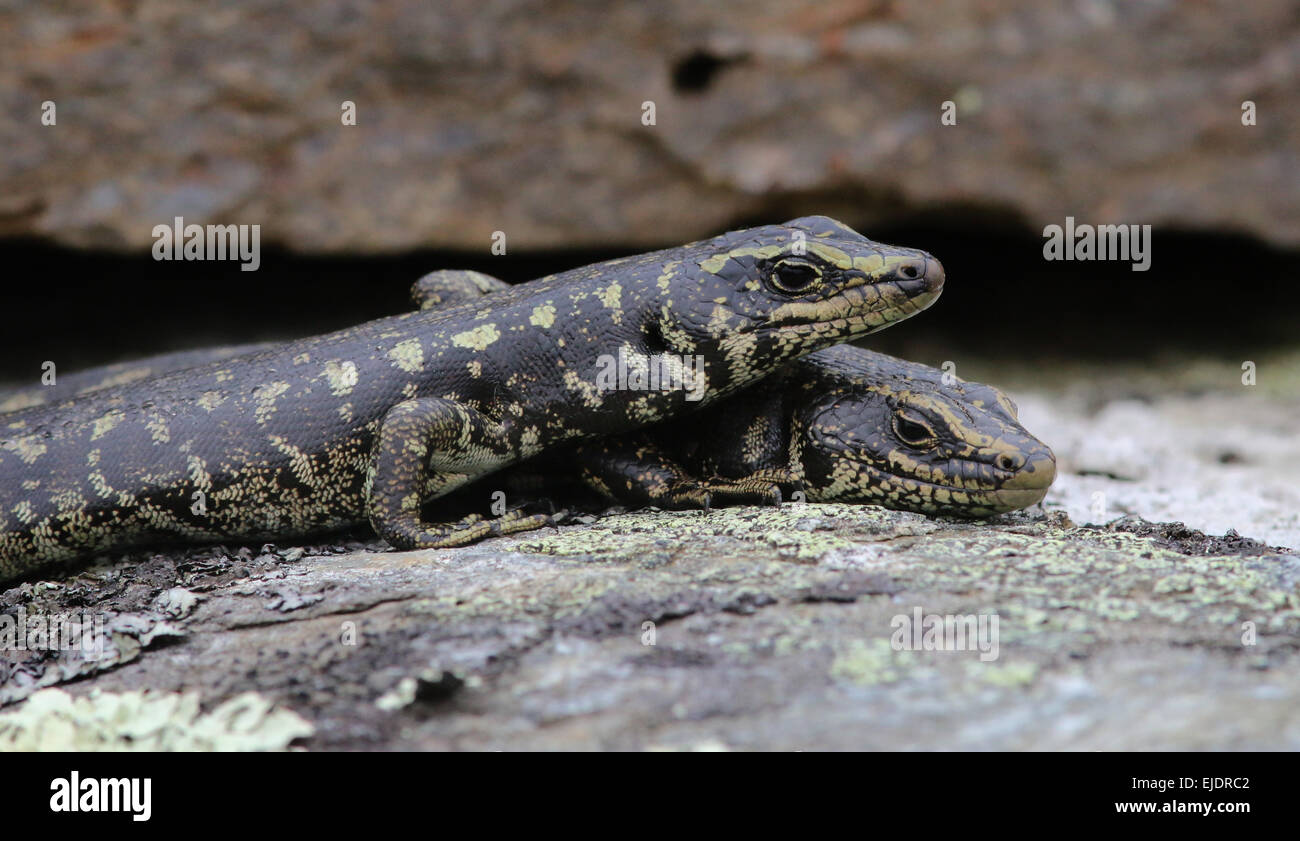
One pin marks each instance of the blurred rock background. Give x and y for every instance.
(526, 117)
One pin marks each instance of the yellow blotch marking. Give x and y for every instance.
(299, 462)
(591, 396)
(612, 297)
(670, 269)
(126, 377)
(342, 376)
(475, 368)
(408, 355)
(199, 473)
(103, 425)
(530, 441)
(266, 396)
(543, 316)
(225, 375)
(29, 449)
(100, 485)
(302, 359)
(158, 430)
(21, 401)
(478, 338)
(870, 264)
(714, 264)
(24, 512)
(345, 412)
(831, 254)
(210, 400)
(719, 320)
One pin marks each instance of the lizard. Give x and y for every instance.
(840, 424)
(366, 424)
(843, 424)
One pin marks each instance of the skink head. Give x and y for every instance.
(907, 440)
(772, 293)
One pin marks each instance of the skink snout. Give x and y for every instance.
(1033, 472)
(922, 268)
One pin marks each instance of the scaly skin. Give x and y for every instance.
(964, 454)
(370, 422)
(843, 424)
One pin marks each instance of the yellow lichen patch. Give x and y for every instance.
(543, 316)
(408, 355)
(341, 375)
(104, 424)
(478, 338)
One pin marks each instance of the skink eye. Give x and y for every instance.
(912, 432)
(795, 276)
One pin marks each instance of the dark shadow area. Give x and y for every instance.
(1215, 294)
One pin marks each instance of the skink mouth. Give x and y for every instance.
(1028, 487)
(914, 286)
(856, 310)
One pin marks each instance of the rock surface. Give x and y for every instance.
(771, 628)
(527, 118)
(745, 628)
